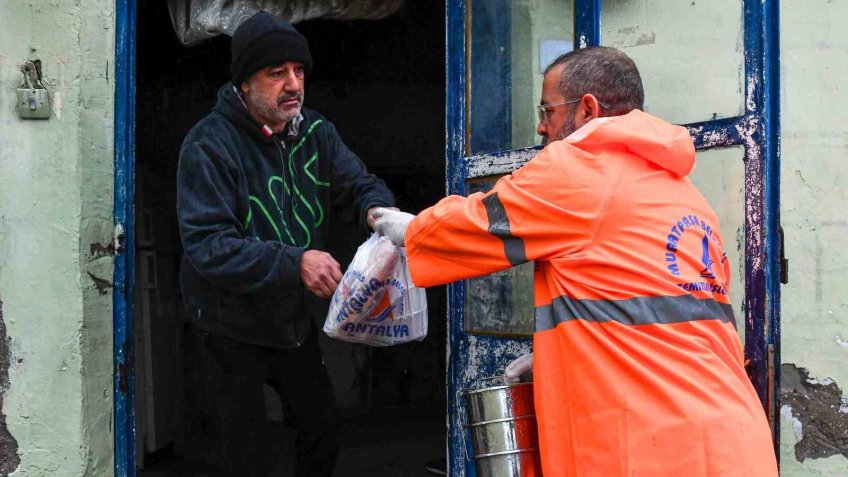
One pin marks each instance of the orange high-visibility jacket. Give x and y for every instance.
(638, 368)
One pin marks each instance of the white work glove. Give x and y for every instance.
(391, 224)
(521, 369)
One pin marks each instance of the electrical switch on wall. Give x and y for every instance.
(33, 98)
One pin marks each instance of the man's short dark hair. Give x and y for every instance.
(607, 73)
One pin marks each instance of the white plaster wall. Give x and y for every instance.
(96, 159)
(55, 200)
(690, 54)
(814, 170)
(720, 176)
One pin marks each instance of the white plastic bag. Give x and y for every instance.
(376, 303)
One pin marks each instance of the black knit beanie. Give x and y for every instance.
(266, 40)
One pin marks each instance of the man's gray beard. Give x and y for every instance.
(268, 107)
(271, 110)
(565, 131)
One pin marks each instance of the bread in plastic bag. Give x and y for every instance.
(376, 302)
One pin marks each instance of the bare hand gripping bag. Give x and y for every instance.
(376, 302)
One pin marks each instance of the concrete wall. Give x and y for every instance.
(814, 70)
(55, 229)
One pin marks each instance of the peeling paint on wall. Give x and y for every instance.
(103, 286)
(819, 413)
(500, 163)
(797, 427)
(97, 250)
(632, 36)
(9, 459)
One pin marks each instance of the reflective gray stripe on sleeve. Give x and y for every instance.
(656, 310)
(499, 227)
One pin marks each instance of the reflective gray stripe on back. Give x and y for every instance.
(499, 227)
(634, 311)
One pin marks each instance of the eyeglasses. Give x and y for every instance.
(542, 109)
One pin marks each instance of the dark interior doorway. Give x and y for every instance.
(382, 84)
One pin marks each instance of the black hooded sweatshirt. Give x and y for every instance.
(249, 205)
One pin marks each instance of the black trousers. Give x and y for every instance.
(232, 376)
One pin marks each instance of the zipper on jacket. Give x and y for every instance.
(294, 179)
(282, 205)
(295, 197)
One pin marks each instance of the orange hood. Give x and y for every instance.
(659, 142)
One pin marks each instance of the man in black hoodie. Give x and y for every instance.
(258, 178)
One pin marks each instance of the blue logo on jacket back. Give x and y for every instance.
(707, 272)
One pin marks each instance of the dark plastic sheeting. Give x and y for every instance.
(197, 20)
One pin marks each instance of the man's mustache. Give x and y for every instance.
(286, 97)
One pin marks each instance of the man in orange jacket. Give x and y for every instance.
(638, 369)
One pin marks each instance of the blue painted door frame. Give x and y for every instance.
(757, 130)
(122, 294)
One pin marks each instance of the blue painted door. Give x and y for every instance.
(496, 52)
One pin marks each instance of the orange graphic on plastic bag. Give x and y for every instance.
(383, 310)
